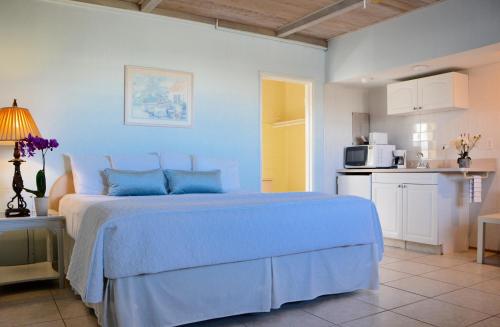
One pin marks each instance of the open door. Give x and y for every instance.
(285, 158)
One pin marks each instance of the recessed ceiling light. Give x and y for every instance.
(365, 80)
(419, 68)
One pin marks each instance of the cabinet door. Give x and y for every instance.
(435, 92)
(420, 221)
(388, 200)
(402, 97)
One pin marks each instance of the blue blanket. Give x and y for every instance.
(144, 235)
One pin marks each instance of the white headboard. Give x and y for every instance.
(62, 186)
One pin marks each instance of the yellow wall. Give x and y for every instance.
(283, 149)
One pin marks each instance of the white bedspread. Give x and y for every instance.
(142, 235)
(74, 206)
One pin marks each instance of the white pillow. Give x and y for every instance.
(140, 162)
(88, 173)
(230, 175)
(177, 161)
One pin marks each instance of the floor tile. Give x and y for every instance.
(56, 323)
(286, 318)
(441, 314)
(28, 313)
(388, 298)
(470, 254)
(455, 277)
(386, 259)
(63, 293)
(85, 321)
(492, 260)
(423, 286)
(440, 261)
(490, 322)
(386, 319)
(340, 309)
(410, 267)
(387, 275)
(402, 253)
(236, 321)
(476, 268)
(71, 308)
(473, 299)
(490, 286)
(24, 295)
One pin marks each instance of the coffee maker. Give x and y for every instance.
(399, 160)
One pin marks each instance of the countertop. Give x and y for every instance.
(415, 170)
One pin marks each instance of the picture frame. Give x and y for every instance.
(158, 97)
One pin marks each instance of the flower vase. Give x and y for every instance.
(42, 206)
(464, 162)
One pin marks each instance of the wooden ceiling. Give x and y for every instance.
(310, 21)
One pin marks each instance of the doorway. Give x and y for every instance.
(285, 141)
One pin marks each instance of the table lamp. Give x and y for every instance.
(16, 124)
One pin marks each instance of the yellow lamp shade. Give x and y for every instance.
(16, 123)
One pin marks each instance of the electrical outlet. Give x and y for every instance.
(489, 144)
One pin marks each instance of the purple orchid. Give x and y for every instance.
(28, 147)
(31, 144)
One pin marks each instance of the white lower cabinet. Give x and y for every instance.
(420, 219)
(421, 208)
(389, 202)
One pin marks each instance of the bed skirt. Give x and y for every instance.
(190, 295)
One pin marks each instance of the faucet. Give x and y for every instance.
(422, 163)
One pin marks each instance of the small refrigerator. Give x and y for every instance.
(358, 185)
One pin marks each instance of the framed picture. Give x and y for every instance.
(158, 97)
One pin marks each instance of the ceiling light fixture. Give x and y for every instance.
(365, 80)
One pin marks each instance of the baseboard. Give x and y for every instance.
(418, 247)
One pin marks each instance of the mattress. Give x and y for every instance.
(74, 207)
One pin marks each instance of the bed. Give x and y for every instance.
(177, 259)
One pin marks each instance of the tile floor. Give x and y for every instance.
(417, 290)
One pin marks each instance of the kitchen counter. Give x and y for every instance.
(436, 166)
(425, 208)
(415, 170)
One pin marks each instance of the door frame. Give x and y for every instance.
(309, 103)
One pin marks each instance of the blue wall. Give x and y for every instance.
(65, 62)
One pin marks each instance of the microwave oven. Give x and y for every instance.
(369, 156)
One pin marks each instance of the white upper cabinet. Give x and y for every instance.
(434, 93)
(402, 97)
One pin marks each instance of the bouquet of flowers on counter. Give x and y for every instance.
(464, 145)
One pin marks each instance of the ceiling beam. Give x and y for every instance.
(270, 33)
(211, 21)
(318, 16)
(149, 5)
(113, 3)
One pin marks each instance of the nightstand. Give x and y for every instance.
(40, 270)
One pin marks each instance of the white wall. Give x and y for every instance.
(340, 103)
(65, 62)
(482, 118)
(448, 27)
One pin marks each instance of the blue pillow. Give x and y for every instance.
(129, 183)
(185, 181)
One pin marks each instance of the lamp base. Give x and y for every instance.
(17, 212)
(17, 187)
